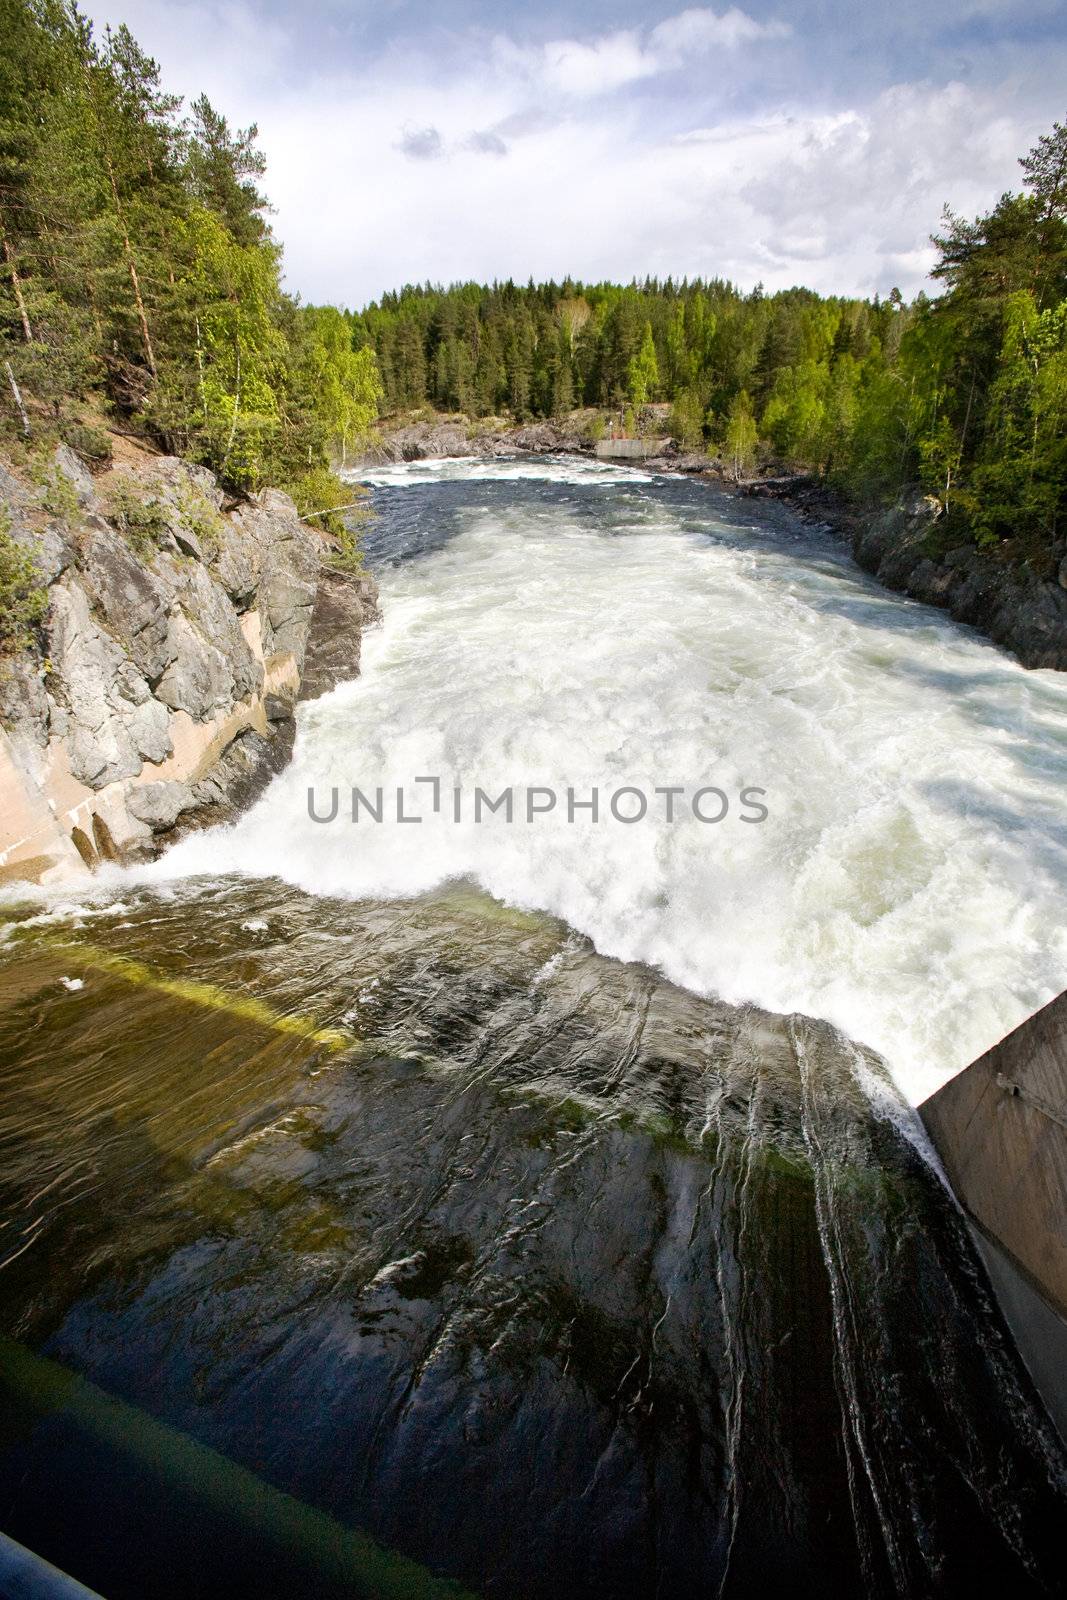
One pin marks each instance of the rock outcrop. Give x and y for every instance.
(428, 441)
(1017, 610)
(173, 658)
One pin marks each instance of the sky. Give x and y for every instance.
(810, 143)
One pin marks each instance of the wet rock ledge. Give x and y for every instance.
(180, 633)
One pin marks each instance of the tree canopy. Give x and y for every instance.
(137, 264)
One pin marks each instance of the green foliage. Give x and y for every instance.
(741, 437)
(23, 598)
(136, 261)
(320, 498)
(142, 519)
(137, 266)
(93, 444)
(345, 382)
(643, 371)
(57, 493)
(199, 517)
(686, 421)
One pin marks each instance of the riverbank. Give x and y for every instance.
(178, 631)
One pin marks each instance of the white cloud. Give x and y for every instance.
(535, 160)
(579, 68)
(587, 69)
(700, 30)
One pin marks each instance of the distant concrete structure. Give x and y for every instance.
(629, 449)
(1000, 1129)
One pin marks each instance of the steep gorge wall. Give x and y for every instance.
(173, 662)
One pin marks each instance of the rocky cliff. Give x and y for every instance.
(177, 635)
(1014, 607)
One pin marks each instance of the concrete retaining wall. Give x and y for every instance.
(1000, 1129)
(629, 449)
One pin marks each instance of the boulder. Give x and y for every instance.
(159, 804)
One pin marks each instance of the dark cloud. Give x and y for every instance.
(487, 143)
(520, 123)
(421, 144)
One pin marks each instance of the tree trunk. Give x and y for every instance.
(16, 284)
(131, 266)
(18, 399)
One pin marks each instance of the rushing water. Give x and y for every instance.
(565, 625)
(362, 1234)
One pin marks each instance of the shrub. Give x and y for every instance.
(199, 517)
(320, 497)
(142, 519)
(58, 495)
(92, 444)
(23, 598)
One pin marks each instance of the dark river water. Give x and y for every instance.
(408, 1243)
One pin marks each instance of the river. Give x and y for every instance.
(390, 1206)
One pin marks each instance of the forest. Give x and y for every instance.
(963, 394)
(139, 278)
(140, 282)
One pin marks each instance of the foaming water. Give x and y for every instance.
(507, 469)
(568, 624)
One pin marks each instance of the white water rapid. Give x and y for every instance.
(595, 627)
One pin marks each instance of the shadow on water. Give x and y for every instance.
(552, 1277)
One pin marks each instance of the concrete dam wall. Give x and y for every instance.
(1000, 1129)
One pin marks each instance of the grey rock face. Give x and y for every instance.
(113, 723)
(134, 601)
(51, 548)
(77, 475)
(344, 606)
(289, 575)
(240, 558)
(198, 679)
(207, 601)
(425, 441)
(1022, 613)
(136, 635)
(24, 700)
